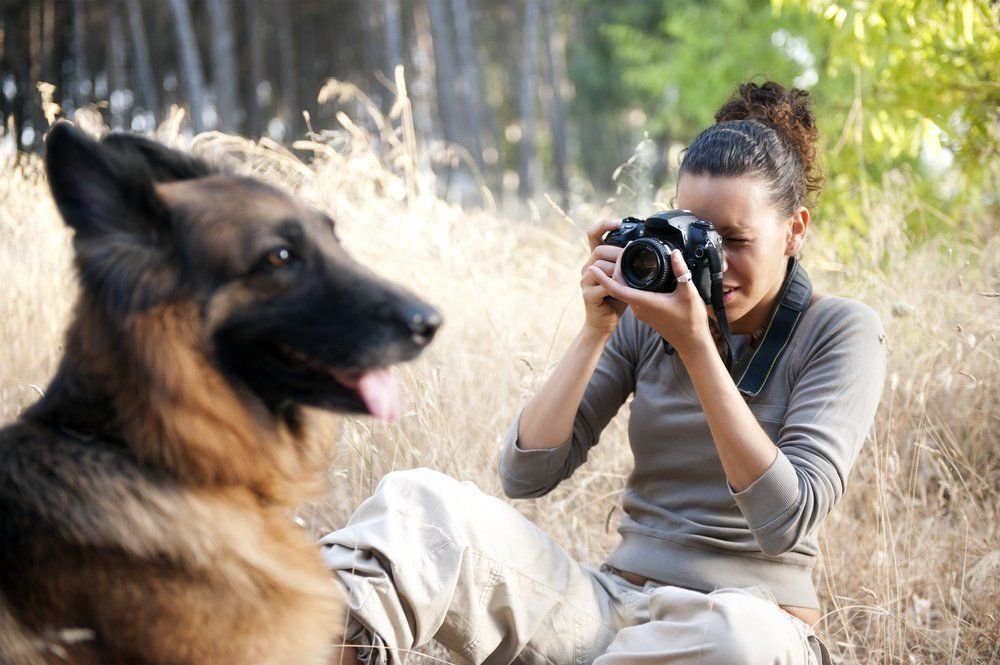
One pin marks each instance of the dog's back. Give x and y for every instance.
(144, 500)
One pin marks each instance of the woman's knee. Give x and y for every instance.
(407, 516)
(411, 483)
(727, 626)
(432, 508)
(747, 629)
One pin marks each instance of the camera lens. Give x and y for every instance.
(646, 265)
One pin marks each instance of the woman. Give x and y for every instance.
(718, 538)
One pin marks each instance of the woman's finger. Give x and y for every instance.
(680, 267)
(625, 293)
(607, 267)
(614, 289)
(595, 234)
(608, 253)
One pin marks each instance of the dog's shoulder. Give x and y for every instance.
(72, 489)
(62, 492)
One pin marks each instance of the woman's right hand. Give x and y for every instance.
(602, 311)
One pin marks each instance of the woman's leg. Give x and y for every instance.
(428, 557)
(725, 627)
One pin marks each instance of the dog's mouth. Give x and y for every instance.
(306, 379)
(374, 389)
(293, 353)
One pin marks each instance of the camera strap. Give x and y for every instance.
(719, 306)
(793, 300)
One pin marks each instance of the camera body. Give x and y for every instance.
(645, 261)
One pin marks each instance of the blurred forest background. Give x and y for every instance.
(540, 96)
(481, 136)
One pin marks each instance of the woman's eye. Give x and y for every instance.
(735, 241)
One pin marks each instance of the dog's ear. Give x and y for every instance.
(123, 235)
(164, 164)
(99, 190)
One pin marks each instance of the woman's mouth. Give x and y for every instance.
(728, 292)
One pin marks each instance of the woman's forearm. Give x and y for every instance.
(547, 420)
(744, 449)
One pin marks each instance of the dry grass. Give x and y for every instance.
(910, 571)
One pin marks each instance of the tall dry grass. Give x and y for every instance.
(910, 566)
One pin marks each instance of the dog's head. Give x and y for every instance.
(282, 310)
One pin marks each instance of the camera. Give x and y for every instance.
(645, 261)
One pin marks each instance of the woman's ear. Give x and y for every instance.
(797, 226)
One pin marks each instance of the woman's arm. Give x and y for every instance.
(528, 470)
(547, 420)
(784, 491)
(551, 436)
(744, 449)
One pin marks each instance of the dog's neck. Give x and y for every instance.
(75, 404)
(164, 401)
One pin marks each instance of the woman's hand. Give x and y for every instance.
(680, 317)
(602, 311)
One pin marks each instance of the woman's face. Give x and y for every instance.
(757, 239)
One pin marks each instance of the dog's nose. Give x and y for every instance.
(423, 321)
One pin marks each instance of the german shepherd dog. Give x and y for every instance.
(144, 501)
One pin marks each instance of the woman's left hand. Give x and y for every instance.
(680, 317)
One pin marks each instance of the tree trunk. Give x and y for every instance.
(4, 105)
(190, 61)
(312, 67)
(255, 57)
(371, 61)
(81, 88)
(444, 72)
(469, 66)
(420, 79)
(6, 110)
(57, 35)
(17, 31)
(33, 35)
(557, 116)
(144, 75)
(118, 93)
(392, 29)
(224, 65)
(46, 40)
(526, 155)
(288, 104)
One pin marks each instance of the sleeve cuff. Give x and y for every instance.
(770, 497)
(525, 472)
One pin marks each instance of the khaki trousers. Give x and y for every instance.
(430, 558)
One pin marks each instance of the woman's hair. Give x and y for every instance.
(765, 131)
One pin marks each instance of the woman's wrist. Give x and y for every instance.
(595, 334)
(698, 346)
(547, 420)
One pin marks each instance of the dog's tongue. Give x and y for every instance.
(379, 391)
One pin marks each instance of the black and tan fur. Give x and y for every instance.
(144, 501)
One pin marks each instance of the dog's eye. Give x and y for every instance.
(277, 258)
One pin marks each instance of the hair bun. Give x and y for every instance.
(789, 111)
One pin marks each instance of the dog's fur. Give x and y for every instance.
(144, 501)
